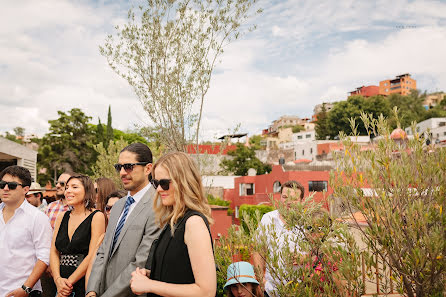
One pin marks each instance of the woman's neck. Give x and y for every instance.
(78, 209)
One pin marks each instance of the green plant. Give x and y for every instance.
(250, 211)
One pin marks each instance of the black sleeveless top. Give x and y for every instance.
(170, 260)
(73, 252)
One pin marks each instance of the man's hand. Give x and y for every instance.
(17, 293)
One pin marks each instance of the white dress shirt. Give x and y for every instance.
(137, 197)
(278, 227)
(24, 239)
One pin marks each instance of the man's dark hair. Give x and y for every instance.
(39, 195)
(18, 171)
(292, 184)
(142, 151)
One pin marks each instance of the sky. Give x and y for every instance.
(302, 53)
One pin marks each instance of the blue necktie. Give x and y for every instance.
(121, 223)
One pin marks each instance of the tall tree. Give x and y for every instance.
(322, 127)
(68, 145)
(100, 132)
(167, 52)
(19, 131)
(109, 126)
(243, 158)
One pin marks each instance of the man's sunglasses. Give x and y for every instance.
(11, 185)
(164, 183)
(128, 167)
(61, 183)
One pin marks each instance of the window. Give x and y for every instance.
(444, 133)
(276, 187)
(303, 153)
(295, 156)
(308, 136)
(236, 212)
(387, 90)
(311, 150)
(317, 186)
(299, 136)
(246, 189)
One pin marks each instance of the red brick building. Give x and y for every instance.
(366, 91)
(257, 189)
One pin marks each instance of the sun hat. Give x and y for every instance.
(34, 188)
(240, 272)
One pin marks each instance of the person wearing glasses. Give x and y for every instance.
(103, 187)
(60, 205)
(182, 262)
(25, 236)
(131, 228)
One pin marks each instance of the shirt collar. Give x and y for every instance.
(140, 194)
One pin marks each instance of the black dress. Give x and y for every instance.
(73, 252)
(170, 260)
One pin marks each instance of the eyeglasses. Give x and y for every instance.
(11, 185)
(62, 183)
(108, 208)
(128, 167)
(164, 183)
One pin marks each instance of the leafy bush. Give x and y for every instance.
(249, 211)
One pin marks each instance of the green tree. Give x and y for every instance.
(404, 210)
(243, 158)
(339, 117)
(410, 108)
(107, 157)
(322, 125)
(68, 145)
(254, 142)
(19, 131)
(167, 52)
(100, 132)
(109, 126)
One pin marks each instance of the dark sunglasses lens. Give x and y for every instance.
(164, 183)
(118, 167)
(60, 183)
(128, 167)
(11, 185)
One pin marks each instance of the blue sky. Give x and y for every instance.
(302, 53)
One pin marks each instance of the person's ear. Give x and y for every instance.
(148, 168)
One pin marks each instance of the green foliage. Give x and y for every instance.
(19, 131)
(67, 146)
(243, 159)
(254, 141)
(339, 117)
(404, 212)
(217, 201)
(167, 52)
(100, 132)
(12, 137)
(129, 137)
(322, 124)
(250, 211)
(329, 240)
(109, 135)
(107, 157)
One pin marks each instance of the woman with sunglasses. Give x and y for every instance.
(76, 233)
(183, 262)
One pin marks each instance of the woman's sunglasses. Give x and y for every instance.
(128, 167)
(164, 183)
(11, 185)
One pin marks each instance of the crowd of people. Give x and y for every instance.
(96, 240)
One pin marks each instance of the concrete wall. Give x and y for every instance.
(23, 156)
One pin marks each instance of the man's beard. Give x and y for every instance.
(60, 197)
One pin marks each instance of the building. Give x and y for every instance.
(318, 108)
(402, 84)
(13, 153)
(366, 91)
(424, 126)
(259, 188)
(433, 99)
(285, 121)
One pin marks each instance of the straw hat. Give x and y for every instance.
(35, 188)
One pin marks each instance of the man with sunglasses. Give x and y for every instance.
(131, 228)
(60, 205)
(25, 236)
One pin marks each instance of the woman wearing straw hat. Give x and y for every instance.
(241, 281)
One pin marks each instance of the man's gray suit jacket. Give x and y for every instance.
(111, 272)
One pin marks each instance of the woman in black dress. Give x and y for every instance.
(181, 260)
(76, 233)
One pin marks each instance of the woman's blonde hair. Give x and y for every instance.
(188, 189)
